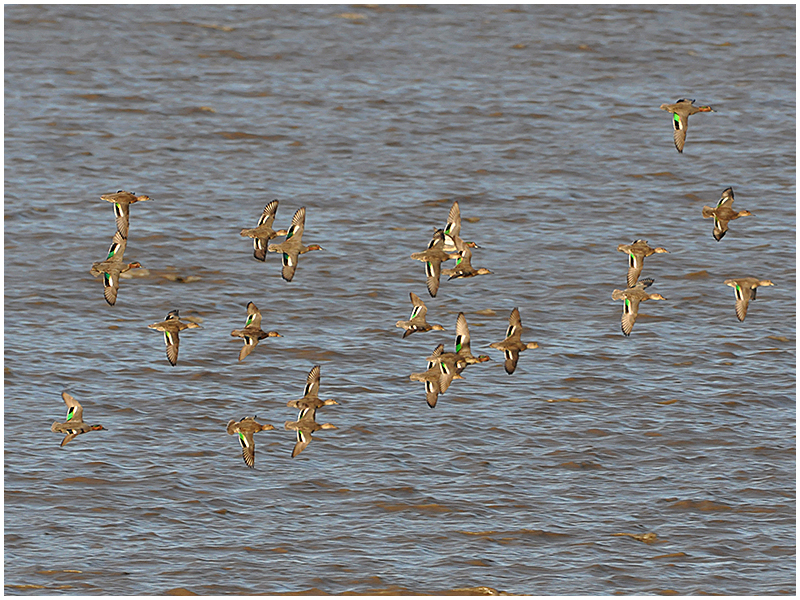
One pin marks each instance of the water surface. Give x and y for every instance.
(543, 123)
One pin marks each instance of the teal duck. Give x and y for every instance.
(263, 232)
(311, 397)
(292, 247)
(433, 258)
(171, 325)
(632, 297)
(450, 365)
(417, 322)
(463, 266)
(73, 425)
(723, 213)
(744, 288)
(122, 201)
(252, 331)
(112, 267)
(681, 111)
(637, 251)
(462, 342)
(452, 241)
(305, 425)
(441, 371)
(246, 428)
(512, 345)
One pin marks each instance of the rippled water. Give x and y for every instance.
(543, 123)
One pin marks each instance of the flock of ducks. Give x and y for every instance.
(290, 249)
(443, 367)
(722, 213)
(446, 244)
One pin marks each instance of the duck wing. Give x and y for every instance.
(635, 264)
(743, 295)
(453, 227)
(111, 285)
(312, 383)
(726, 199)
(250, 343)
(514, 325)
(303, 440)
(462, 335)
(74, 408)
(448, 372)
(122, 211)
(298, 225)
(172, 342)
(433, 271)
(720, 228)
(117, 248)
(680, 125)
(253, 316)
(69, 437)
(268, 216)
(431, 392)
(290, 258)
(419, 310)
(248, 448)
(630, 310)
(260, 248)
(512, 356)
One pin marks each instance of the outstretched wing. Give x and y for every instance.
(433, 270)
(726, 199)
(312, 383)
(514, 325)
(172, 341)
(117, 248)
(743, 295)
(122, 213)
(511, 356)
(260, 248)
(681, 125)
(635, 264)
(453, 227)
(419, 310)
(303, 440)
(74, 408)
(111, 286)
(248, 448)
(630, 310)
(462, 335)
(290, 262)
(69, 437)
(268, 216)
(431, 392)
(250, 344)
(253, 316)
(298, 224)
(720, 228)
